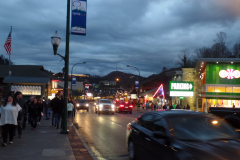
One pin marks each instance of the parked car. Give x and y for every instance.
(82, 104)
(104, 105)
(124, 106)
(231, 115)
(181, 135)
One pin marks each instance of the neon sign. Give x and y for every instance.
(229, 74)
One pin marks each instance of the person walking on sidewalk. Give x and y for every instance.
(147, 105)
(47, 107)
(70, 110)
(9, 112)
(23, 115)
(54, 105)
(41, 110)
(34, 112)
(29, 102)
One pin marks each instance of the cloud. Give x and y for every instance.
(146, 34)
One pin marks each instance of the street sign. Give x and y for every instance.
(136, 85)
(74, 81)
(181, 89)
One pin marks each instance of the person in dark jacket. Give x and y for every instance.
(60, 112)
(41, 110)
(164, 107)
(178, 106)
(46, 106)
(24, 112)
(29, 102)
(34, 112)
(54, 106)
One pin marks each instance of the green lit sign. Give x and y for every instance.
(181, 97)
(181, 89)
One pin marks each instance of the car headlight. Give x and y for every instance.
(100, 106)
(77, 105)
(94, 103)
(113, 106)
(87, 105)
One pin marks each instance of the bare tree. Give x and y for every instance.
(184, 58)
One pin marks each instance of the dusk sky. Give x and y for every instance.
(147, 34)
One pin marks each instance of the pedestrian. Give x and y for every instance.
(178, 106)
(9, 112)
(233, 105)
(34, 112)
(29, 102)
(164, 106)
(41, 110)
(70, 110)
(147, 105)
(54, 105)
(188, 107)
(60, 112)
(152, 106)
(174, 106)
(46, 106)
(21, 124)
(155, 106)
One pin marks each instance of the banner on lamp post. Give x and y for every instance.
(79, 12)
(73, 81)
(136, 85)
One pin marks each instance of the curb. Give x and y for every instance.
(85, 144)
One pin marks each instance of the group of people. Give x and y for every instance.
(154, 106)
(15, 112)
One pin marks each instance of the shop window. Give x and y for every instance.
(236, 89)
(210, 88)
(229, 89)
(219, 89)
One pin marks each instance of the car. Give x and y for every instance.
(181, 135)
(82, 104)
(104, 105)
(124, 106)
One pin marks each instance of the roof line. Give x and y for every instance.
(147, 91)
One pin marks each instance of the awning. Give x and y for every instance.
(156, 92)
(26, 80)
(149, 93)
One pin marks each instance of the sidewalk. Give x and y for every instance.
(45, 143)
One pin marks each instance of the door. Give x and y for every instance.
(161, 148)
(145, 136)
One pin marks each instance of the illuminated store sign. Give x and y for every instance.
(229, 74)
(181, 89)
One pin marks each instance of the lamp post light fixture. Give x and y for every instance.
(55, 40)
(71, 74)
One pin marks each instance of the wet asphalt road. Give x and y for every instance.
(105, 133)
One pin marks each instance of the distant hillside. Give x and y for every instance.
(124, 78)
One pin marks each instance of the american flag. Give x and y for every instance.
(7, 44)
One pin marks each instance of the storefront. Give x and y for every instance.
(155, 95)
(220, 79)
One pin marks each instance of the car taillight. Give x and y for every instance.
(131, 106)
(121, 105)
(128, 126)
(126, 102)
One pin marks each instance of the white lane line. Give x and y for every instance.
(116, 124)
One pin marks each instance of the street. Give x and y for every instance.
(105, 133)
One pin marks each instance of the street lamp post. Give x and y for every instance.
(71, 74)
(138, 82)
(55, 40)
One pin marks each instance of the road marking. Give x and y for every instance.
(116, 124)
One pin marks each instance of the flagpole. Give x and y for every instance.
(9, 74)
